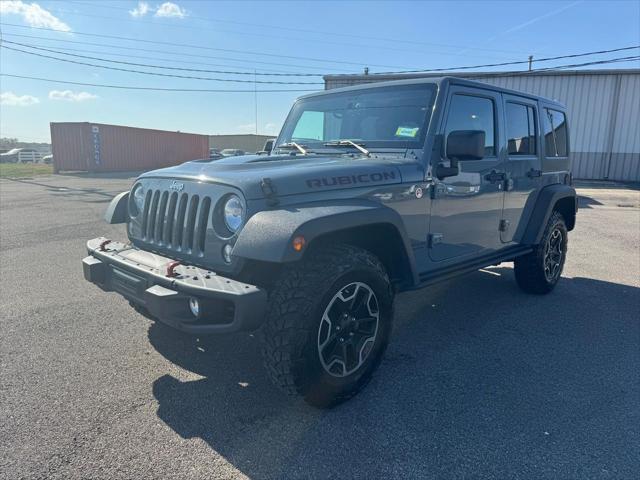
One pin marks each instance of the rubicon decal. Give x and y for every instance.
(351, 179)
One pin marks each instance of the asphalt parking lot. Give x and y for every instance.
(480, 380)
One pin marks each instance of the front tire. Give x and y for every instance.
(328, 324)
(538, 272)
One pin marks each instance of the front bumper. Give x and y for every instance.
(226, 305)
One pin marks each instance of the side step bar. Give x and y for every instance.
(441, 274)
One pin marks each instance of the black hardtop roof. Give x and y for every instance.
(448, 80)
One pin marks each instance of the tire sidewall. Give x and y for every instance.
(557, 222)
(318, 383)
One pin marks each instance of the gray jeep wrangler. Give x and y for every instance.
(369, 191)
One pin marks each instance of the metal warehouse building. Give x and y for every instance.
(603, 107)
(248, 142)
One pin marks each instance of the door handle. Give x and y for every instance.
(534, 173)
(495, 177)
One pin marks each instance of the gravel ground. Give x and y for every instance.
(480, 380)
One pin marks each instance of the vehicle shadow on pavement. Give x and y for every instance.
(587, 202)
(479, 380)
(132, 175)
(87, 194)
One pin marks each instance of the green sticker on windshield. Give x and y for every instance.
(407, 131)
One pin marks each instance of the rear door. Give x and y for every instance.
(467, 208)
(523, 163)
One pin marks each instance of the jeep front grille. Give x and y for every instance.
(175, 221)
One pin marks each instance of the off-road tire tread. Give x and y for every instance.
(527, 268)
(291, 303)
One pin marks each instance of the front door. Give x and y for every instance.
(523, 163)
(467, 208)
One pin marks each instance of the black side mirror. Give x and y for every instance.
(461, 145)
(465, 145)
(268, 146)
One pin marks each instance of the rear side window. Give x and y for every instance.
(521, 129)
(473, 113)
(555, 133)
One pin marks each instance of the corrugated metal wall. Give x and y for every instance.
(248, 142)
(603, 107)
(70, 146)
(96, 147)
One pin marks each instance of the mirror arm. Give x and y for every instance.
(452, 170)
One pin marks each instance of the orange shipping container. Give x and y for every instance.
(97, 147)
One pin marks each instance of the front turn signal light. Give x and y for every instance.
(298, 243)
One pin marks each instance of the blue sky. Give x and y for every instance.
(267, 37)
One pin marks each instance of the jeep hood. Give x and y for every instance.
(289, 174)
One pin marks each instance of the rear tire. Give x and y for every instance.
(538, 272)
(328, 324)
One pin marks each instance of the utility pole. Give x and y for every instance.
(255, 97)
(530, 61)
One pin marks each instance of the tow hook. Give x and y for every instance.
(103, 246)
(171, 269)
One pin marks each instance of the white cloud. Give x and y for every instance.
(71, 96)
(33, 14)
(246, 128)
(10, 98)
(141, 10)
(271, 128)
(169, 9)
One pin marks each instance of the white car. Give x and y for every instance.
(231, 152)
(21, 155)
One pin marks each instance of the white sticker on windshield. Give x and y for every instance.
(407, 131)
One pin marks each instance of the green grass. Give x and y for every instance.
(21, 170)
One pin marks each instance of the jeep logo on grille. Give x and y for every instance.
(176, 185)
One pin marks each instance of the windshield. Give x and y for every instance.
(385, 117)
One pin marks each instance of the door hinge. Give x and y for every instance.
(435, 239)
(504, 225)
(270, 192)
(437, 189)
(508, 184)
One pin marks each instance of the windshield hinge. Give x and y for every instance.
(269, 191)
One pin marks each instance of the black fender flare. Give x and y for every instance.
(545, 203)
(268, 235)
(117, 209)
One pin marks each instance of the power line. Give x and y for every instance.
(548, 59)
(161, 89)
(63, 50)
(228, 50)
(559, 68)
(165, 67)
(446, 69)
(157, 74)
(122, 47)
(156, 89)
(599, 62)
(319, 32)
(281, 37)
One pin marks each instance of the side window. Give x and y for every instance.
(555, 133)
(521, 129)
(473, 113)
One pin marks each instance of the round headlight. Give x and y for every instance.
(138, 200)
(233, 213)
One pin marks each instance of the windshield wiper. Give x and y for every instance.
(294, 145)
(348, 143)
